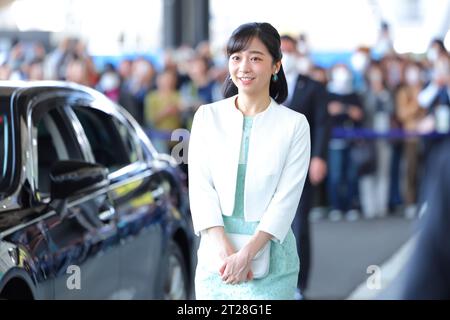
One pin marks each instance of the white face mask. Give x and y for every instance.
(109, 81)
(359, 61)
(304, 65)
(340, 75)
(341, 81)
(432, 54)
(302, 47)
(412, 76)
(383, 47)
(289, 63)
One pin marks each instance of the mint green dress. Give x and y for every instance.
(281, 282)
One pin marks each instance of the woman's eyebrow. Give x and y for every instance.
(256, 52)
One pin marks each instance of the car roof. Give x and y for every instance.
(8, 87)
(31, 89)
(16, 84)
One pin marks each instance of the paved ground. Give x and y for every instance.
(342, 252)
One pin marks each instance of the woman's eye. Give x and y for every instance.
(255, 59)
(235, 58)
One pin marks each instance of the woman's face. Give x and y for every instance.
(251, 69)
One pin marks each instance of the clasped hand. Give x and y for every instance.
(236, 268)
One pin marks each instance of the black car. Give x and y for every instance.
(88, 208)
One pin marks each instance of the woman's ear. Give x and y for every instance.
(276, 67)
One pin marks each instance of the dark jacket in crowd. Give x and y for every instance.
(310, 98)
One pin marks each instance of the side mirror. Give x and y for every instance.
(69, 178)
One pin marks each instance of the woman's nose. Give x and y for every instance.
(244, 66)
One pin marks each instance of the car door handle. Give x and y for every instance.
(107, 214)
(158, 193)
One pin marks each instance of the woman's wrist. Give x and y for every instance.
(219, 237)
(247, 253)
(256, 243)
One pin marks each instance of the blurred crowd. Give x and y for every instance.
(392, 108)
(376, 90)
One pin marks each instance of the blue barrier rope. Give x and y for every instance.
(368, 134)
(338, 133)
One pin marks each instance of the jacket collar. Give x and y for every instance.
(237, 113)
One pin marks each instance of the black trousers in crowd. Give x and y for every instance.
(301, 229)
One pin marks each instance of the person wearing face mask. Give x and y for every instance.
(436, 50)
(302, 45)
(393, 66)
(409, 113)
(378, 111)
(345, 109)
(384, 44)
(438, 90)
(109, 83)
(359, 62)
(308, 97)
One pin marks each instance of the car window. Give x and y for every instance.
(111, 141)
(133, 150)
(54, 143)
(4, 138)
(6, 146)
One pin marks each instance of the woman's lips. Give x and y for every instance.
(246, 80)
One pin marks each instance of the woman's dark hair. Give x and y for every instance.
(268, 35)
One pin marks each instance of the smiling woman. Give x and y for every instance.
(255, 62)
(246, 175)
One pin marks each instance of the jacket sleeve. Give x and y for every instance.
(321, 124)
(281, 211)
(203, 198)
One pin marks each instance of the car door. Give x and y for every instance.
(83, 249)
(133, 191)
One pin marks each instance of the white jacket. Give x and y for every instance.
(277, 165)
